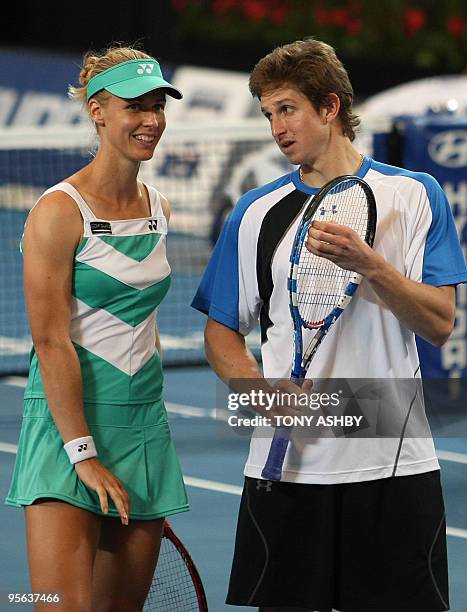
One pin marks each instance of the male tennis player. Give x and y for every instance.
(357, 525)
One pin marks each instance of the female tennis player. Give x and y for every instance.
(96, 469)
(356, 523)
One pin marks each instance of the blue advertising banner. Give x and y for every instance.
(437, 144)
(33, 88)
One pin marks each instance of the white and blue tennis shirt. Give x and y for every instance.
(246, 282)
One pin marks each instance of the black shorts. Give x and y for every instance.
(376, 546)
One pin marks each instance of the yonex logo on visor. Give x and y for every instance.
(131, 79)
(145, 68)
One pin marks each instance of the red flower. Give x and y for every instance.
(339, 17)
(456, 26)
(179, 5)
(255, 10)
(279, 14)
(325, 17)
(224, 6)
(354, 26)
(414, 19)
(322, 16)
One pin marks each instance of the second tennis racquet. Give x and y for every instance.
(176, 586)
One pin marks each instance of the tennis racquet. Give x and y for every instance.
(176, 586)
(319, 290)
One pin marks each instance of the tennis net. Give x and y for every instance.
(202, 170)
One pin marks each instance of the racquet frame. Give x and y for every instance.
(273, 467)
(189, 563)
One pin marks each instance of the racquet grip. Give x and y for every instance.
(273, 467)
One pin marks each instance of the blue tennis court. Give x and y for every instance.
(212, 463)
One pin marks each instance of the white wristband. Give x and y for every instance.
(80, 449)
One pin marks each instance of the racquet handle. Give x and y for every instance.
(280, 442)
(273, 468)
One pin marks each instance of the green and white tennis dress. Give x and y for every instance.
(120, 276)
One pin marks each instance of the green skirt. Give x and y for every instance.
(133, 442)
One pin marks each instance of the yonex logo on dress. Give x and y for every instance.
(145, 68)
(152, 225)
(82, 447)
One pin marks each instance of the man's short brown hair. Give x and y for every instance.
(313, 68)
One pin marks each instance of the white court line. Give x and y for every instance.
(190, 411)
(200, 483)
(15, 381)
(456, 533)
(221, 487)
(203, 413)
(179, 409)
(450, 456)
(212, 485)
(8, 448)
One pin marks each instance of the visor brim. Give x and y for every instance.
(133, 88)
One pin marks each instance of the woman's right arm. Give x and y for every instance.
(52, 233)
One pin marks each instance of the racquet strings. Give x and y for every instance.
(172, 589)
(321, 283)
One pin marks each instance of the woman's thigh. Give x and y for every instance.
(62, 541)
(125, 562)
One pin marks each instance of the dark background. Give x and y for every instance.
(76, 27)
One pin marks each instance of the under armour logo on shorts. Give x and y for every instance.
(264, 484)
(152, 225)
(82, 447)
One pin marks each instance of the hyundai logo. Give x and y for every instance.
(449, 148)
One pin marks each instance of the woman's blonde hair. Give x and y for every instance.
(95, 62)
